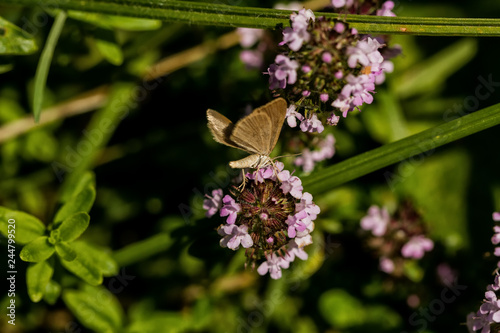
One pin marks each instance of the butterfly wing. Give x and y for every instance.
(252, 133)
(276, 111)
(221, 128)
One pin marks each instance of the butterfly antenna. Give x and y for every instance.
(274, 158)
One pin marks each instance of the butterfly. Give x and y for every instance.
(256, 133)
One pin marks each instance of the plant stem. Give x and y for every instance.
(400, 150)
(233, 16)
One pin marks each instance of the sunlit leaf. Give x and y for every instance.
(82, 202)
(109, 48)
(73, 226)
(15, 41)
(37, 250)
(341, 309)
(52, 292)
(26, 226)
(65, 251)
(96, 308)
(42, 69)
(37, 278)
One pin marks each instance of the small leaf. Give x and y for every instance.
(37, 250)
(42, 69)
(341, 309)
(37, 278)
(73, 226)
(96, 308)
(14, 40)
(52, 292)
(102, 259)
(87, 180)
(108, 48)
(65, 251)
(27, 227)
(84, 266)
(82, 202)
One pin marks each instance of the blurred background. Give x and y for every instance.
(155, 159)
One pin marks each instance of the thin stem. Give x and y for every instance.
(233, 16)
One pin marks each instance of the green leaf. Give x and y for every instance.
(101, 256)
(82, 202)
(235, 16)
(65, 251)
(398, 151)
(84, 265)
(42, 69)
(37, 250)
(429, 75)
(438, 174)
(115, 22)
(72, 227)
(37, 278)
(27, 227)
(14, 40)
(108, 47)
(341, 309)
(96, 308)
(91, 263)
(141, 250)
(52, 292)
(6, 68)
(86, 180)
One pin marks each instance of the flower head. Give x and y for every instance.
(416, 247)
(213, 203)
(282, 71)
(271, 217)
(376, 220)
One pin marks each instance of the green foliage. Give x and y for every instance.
(28, 227)
(15, 41)
(96, 308)
(38, 277)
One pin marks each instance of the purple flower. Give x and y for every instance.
(297, 34)
(326, 57)
(386, 9)
(252, 58)
(365, 53)
(297, 222)
(213, 203)
(376, 220)
(333, 120)
(354, 93)
(339, 27)
(416, 247)
(249, 36)
(305, 160)
(386, 265)
(496, 216)
(308, 205)
(282, 70)
(312, 124)
(234, 235)
(290, 184)
(294, 250)
(342, 3)
(273, 265)
(230, 209)
(379, 72)
(324, 98)
(308, 158)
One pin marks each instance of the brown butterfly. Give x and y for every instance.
(256, 133)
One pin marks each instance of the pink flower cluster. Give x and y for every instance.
(404, 236)
(297, 226)
(489, 312)
(309, 158)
